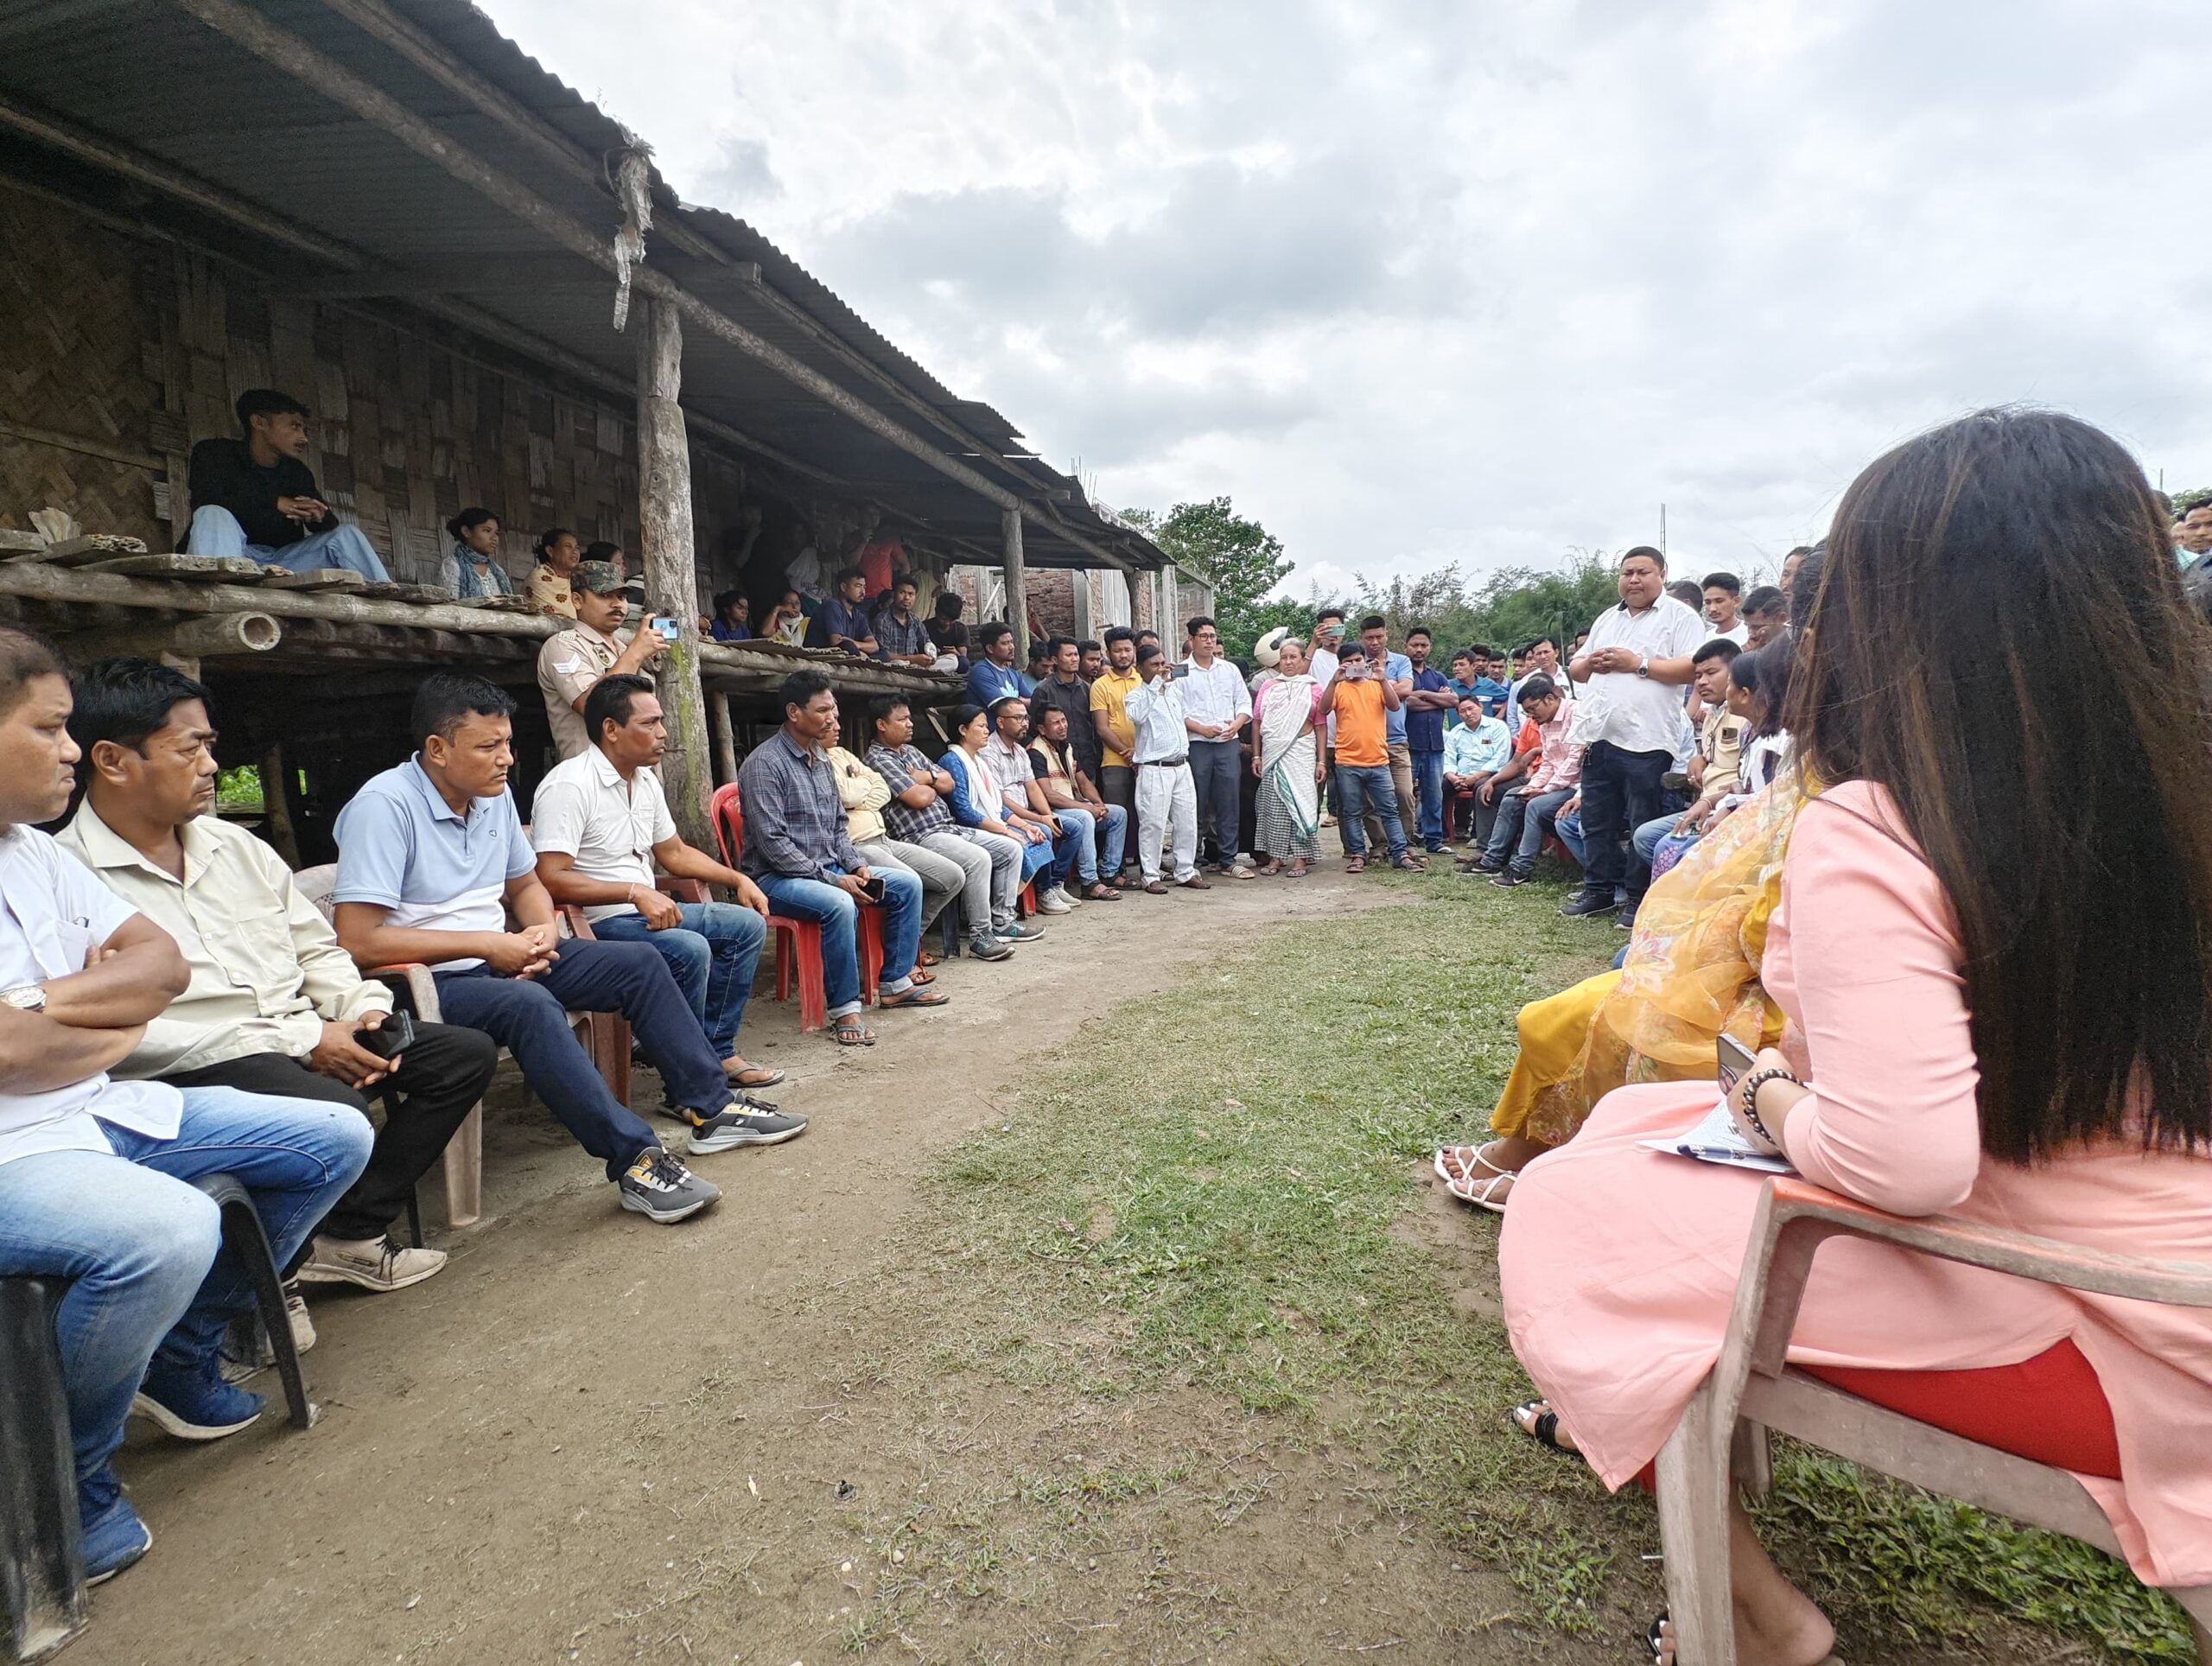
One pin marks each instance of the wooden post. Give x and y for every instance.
(725, 738)
(672, 580)
(1017, 584)
(277, 805)
(1170, 627)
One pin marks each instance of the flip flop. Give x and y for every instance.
(1544, 1431)
(849, 1032)
(757, 1075)
(920, 976)
(913, 998)
(1355, 865)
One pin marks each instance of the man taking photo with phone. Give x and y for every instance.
(574, 660)
(274, 1006)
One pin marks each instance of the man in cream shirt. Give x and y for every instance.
(274, 1006)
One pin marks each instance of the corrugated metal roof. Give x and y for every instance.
(148, 75)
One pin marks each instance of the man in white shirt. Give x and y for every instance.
(1217, 706)
(1167, 802)
(1633, 671)
(1321, 663)
(1723, 594)
(96, 1176)
(601, 829)
(274, 1005)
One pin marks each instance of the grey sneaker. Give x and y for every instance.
(749, 1122)
(660, 1188)
(245, 1350)
(372, 1264)
(985, 947)
(1020, 932)
(1050, 902)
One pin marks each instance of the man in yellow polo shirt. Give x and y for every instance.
(1117, 736)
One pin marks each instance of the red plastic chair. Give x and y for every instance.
(798, 941)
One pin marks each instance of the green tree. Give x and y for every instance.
(2186, 500)
(1512, 605)
(1241, 557)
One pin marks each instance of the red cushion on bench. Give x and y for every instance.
(2050, 1409)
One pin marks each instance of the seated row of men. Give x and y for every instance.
(173, 1006)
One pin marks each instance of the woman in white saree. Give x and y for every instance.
(1289, 767)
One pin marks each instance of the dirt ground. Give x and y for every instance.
(768, 1436)
(595, 1439)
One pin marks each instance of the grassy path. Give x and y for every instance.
(1215, 1195)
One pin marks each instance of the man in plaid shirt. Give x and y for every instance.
(900, 637)
(916, 815)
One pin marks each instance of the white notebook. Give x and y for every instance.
(1716, 1140)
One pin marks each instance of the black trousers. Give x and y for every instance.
(1621, 790)
(439, 1079)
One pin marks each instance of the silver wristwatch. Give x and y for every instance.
(1643, 666)
(25, 997)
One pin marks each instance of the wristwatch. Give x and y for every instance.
(25, 997)
(1643, 666)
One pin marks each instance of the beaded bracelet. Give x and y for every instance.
(1752, 1083)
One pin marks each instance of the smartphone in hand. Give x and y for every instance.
(1735, 1062)
(394, 1038)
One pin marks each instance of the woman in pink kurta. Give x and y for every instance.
(1620, 1263)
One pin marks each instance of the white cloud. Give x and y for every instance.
(1417, 283)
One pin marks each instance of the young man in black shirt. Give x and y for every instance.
(253, 496)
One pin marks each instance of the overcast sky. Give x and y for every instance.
(1428, 282)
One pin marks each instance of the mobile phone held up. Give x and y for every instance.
(664, 628)
(1175, 673)
(1736, 1063)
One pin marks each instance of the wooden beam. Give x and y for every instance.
(204, 636)
(61, 442)
(667, 541)
(724, 739)
(333, 80)
(1017, 583)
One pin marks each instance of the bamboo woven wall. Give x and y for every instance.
(142, 346)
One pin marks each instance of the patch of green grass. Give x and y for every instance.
(1208, 1180)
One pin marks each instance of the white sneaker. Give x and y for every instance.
(1052, 902)
(373, 1264)
(1067, 896)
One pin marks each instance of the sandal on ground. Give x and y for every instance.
(752, 1076)
(1467, 1157)
(1102, 893)
(920, 977)
(1411, 865)
(1154, 888)
(929, 957)
(913, 998)
(851, 1032)
(1269, 871)
(1354, 864)
(1297, 871)
(1543, 1430)
(1484, 1194)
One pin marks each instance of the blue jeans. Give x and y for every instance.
(530, 1017)
(839, 916)
(1107, 836)
(1569, 829)
(712, 954)
(216, 532)
(1516, 837)
(1076, 851)
(1646, 837)
(1360, 788)
(1428, 783)
(141, 1247)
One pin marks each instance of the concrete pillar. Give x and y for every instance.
(672, 583)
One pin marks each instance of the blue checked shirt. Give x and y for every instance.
(902, 768)
(794, 821)
(892, 636)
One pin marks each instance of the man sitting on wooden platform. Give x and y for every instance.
(274, 1006)
(254, 496)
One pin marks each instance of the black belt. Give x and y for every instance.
(1163, 763)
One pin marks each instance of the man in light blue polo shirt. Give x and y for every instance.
(431, 857)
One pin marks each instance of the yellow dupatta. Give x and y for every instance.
(1692, 972)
